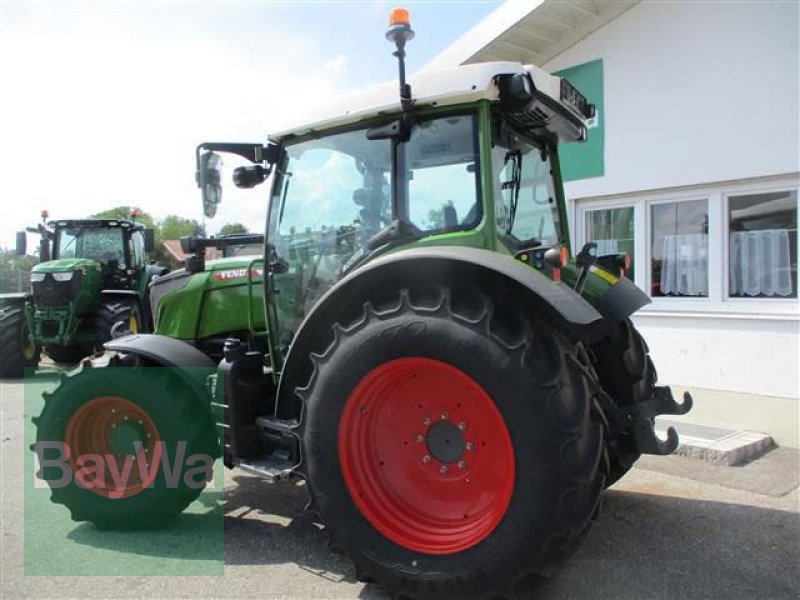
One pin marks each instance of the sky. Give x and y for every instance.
(102, 102)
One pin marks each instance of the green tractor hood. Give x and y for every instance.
(219, 299)
(66, 264)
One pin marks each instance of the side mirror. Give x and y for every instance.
(209, 178)
(149, 240)
(22, 243)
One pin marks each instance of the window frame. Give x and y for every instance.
(718, 302)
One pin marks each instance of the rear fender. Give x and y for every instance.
(490, 272)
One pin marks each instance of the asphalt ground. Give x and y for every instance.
(673, 527)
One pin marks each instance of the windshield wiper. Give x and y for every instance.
(395, 233)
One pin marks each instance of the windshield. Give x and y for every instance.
(104, 245)
(333, 194)
(526, 206)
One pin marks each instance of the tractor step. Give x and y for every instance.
(276, 425)
(275, 467)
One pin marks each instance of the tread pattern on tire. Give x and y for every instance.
(627, 374)
(583, 468)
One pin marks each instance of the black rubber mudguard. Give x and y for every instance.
(161, 349)
(622, 300)
(552, 301)
(16, 299)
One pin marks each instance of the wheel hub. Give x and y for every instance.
(445, 442)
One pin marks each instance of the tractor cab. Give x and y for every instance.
(119, 246)
(471, 160)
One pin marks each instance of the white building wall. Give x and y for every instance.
(755, 355)
(695, 92)
(698, 93)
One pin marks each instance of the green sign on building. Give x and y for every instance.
(582, 160)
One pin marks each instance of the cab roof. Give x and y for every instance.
(100, 223)
(455, 85)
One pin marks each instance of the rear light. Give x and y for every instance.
(556, 258)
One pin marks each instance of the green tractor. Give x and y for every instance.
(455, 385)
(91, 282)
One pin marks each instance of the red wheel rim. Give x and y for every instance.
(426, 455)
(108, 426)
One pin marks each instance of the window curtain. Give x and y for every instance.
(760, 263)
(684, 267)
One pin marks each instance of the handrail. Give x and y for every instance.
(250, 319)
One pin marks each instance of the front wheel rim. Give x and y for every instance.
(109, 427)
(426, 456)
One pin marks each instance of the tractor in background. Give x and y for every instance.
(93, 276)
(454, 382)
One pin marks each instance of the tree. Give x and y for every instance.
(124, 212)
(15, 271)
(173, 227)
(231, 228)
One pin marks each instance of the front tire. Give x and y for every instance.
(16, 350)
(105, 412)
(124, 311)
(386, 404)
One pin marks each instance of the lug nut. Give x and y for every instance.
(140, 422)
(420, 438)
(470, 446)
(461, 464)
(443, 469)
(444, 415)
(426, 459)
(426, 421)
(462, 426)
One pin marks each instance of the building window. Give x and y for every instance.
(612, 230)
(763, 245)
(679, 249)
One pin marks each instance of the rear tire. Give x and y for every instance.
(537, 397)
(628, 375)
(105, 411)
(16, 351)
